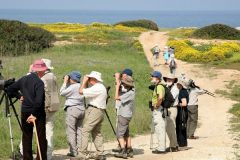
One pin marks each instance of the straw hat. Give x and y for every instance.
(128, 81)
(48, 63)
(39, 65)
(170, 76)
(96, 75)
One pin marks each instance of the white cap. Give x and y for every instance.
(96, 75)
(48, 63)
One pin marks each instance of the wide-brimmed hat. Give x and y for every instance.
(183, 83)
(96, 75)
(48, 63)
(128, 80)
(75, 75)
(170, 76)
(39, 65)
(156, 74)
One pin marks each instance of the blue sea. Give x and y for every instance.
(165, 19)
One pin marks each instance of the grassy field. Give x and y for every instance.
(119, 50)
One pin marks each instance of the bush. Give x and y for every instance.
(205, 53)
(17, 38)
(217, 31)
(148, 24)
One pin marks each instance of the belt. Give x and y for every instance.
(89, 105)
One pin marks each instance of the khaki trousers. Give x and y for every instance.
(92, 125)
(192, 120)
(171, 126)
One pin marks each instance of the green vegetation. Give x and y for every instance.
(17, 38)
(181, 32)
(120, 51)
(217, 31)
(148, 24)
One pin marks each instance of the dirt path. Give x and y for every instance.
(215, 142)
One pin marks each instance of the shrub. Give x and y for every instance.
(217, 31)
(17, 38)
(148, 24)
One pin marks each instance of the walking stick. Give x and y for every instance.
(108, 88)
(39, 150)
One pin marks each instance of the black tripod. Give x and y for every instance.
(8, 103)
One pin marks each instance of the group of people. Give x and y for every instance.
(168, 56)
(85, 106)
(180, 120)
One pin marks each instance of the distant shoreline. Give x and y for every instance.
(165, 19)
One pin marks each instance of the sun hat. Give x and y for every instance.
(156, 74)
(128, 72)
(166, 47)
(39, 65)
(170, 76)
(183, 83)
(128, 80)
(75, 75)
(48, 63)
(96, 75)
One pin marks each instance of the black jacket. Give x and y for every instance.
(32, 90)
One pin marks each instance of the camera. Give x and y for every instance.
(150, 105)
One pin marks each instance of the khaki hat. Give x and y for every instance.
(128, 81)
(170, 76)
(183, 83)
(48, 63)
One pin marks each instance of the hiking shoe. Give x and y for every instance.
(130, 152)
(101, 157)
(118, 149)
(122, 154)
(192, 137)
(158, 152)
(71, 154)
(172, 149)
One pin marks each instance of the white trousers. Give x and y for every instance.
(160, 129)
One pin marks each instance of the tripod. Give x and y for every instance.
(8, 103)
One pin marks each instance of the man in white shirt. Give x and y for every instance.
(96, 95)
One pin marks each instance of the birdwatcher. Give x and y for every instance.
(75, 111)
(92, 88)
(124, 96)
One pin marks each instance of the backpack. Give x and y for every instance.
(172, 64)
(168, 98)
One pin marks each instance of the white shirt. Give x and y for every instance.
(97, 95)
(193, 96)
(175, 93)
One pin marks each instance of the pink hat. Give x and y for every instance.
(39, 65)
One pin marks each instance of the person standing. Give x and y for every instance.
(52, 103)
(171, 81)
(166, 55)
(32, 108)
(182, 114)
(96, 93)
(124, 96)
(194, 92)
(75, 110)
(155, 51)
(172, 64)
(158, 119)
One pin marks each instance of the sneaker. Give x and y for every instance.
(172, 149)
(130, 152)
(122, 154)
(158, 152)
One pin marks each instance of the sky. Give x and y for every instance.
(122, 4)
